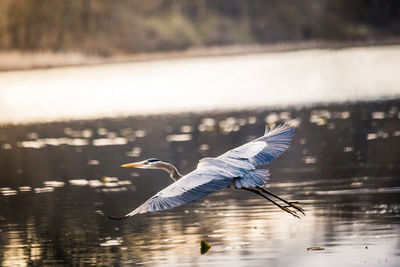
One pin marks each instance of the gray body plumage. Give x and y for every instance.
(236, 167)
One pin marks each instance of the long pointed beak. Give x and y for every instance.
(133, 165)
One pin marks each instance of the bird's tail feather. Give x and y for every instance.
(254, 178)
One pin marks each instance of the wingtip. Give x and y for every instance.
(282, 126)
(269, 128)
(266, 129)
(117, 218)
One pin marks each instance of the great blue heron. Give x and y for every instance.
(237, 167)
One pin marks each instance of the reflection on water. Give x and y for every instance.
(198, 84)
(343, 167)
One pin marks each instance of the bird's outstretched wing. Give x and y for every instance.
(264, 149)
(211, 175)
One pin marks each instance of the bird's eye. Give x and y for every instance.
(146, 163)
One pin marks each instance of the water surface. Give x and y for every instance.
(58, 181)
(198, 84)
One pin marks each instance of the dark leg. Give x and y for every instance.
(291, 204)
(273, 202)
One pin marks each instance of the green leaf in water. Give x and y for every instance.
(204, 246)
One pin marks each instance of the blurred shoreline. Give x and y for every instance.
(16, 60)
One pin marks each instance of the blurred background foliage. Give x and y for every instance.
(105, 27)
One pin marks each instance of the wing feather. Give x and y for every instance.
(190, 188)
(264, 149)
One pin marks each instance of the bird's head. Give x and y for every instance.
(145, 164)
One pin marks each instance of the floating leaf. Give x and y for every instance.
(204, 246)
(315, 248)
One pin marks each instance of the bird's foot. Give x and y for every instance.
(295, 205)
(286, 208)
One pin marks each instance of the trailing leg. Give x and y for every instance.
(290, 203)
(272, 201)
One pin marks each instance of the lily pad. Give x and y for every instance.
(204, 246)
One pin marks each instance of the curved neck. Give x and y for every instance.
(171, 169)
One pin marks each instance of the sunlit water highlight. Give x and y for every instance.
(194, 84)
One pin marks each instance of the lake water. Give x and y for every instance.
(198, 84)
(58, 180)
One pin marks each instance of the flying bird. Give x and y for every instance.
(240, 168)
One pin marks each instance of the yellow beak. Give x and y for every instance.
(133, 165)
